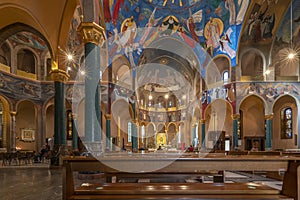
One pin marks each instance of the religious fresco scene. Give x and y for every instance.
(169, 85)
(189, 59)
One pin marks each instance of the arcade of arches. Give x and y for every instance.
(168, 91)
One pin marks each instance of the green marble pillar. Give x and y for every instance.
(75, 134)
(93, 37)
(268, 124)
(203, 134)
(108, 143)
(60, 132)
(134, 137)
(235, 130)
(92, 80)
(134, 129)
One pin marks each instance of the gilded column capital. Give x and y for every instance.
(202, 121)
(13, 113)
(235, 116)
(92, 32)
(108, 116)
(270, 116)
(59, 75)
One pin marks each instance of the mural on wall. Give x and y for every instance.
(28, 39)
(16, 88)
(267, 91)
(226, 92)
(211, 26)
(263, 20)
(288, 30)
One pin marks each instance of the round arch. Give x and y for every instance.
(280, 140)
(252, 114)
(215, 69)
(218, 117)
(26, 119)
(5, 123)
(257, 61)
(120, 116)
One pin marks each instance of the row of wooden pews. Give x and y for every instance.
(91, 178)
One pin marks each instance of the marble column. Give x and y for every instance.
(60, 133)
(134, 136)
(134, 127)
(40, 138)
(194, 135)
(269, 119)
(93, 36)
(13, 131)
(235, 134)
(108, 141)
(203, 146)
(59, 77)
(109, 102)
(75, 133)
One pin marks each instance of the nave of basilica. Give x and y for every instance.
(101, 78)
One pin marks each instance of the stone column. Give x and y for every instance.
(13, 131)
(108, 143)
(60, 133)
(236, 128)
(93, 36)
(59, 77)
(203, 146)
(40, 134)
(134, 136)
(75, 133)
(194, 135)
(109, 102)
(268, 121)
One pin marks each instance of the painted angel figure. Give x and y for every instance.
(152, 22)
(225, 42)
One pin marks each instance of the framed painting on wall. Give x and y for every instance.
(27, 135)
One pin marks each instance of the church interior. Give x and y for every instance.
(165, 78)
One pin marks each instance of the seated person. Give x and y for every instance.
(43, 153)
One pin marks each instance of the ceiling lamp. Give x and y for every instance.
(292, 54)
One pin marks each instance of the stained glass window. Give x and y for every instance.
(286, 123)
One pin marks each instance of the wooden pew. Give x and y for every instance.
(179, 166)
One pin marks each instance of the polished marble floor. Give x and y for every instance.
(31, 183)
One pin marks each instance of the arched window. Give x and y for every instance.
(225, 76)
(286, 123)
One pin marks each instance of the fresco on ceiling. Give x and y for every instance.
(262, 21)
(211, 26)
(286, 31)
